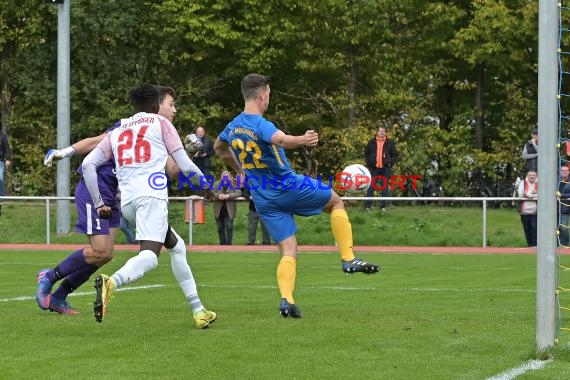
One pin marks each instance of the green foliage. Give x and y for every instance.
(339, 148)
(341, 68)
(32, 130)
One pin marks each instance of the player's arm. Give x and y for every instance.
(310, 138)
(227, 155)
(171, 168)
(175, 148)
(182, 161)
(82, 147)
(192, 172)
(99, 155)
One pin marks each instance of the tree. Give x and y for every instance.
(455, 81)
(22, 26)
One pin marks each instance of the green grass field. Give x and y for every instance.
(422, 317)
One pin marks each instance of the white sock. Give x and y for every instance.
(135, 268)
(183, 273)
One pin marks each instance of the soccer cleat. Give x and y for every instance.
(204, 318)
(62, 307)
(43, 292)
(358, 265)
(287, 309)
(104, 287)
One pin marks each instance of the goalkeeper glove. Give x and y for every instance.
(58, 153)
(192, 143)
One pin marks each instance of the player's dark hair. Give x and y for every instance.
(251, 84)
(144, 98)
(163, 91)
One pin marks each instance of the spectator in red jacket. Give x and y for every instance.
(380, 155)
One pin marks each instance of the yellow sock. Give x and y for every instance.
(342, 232)
(286, 273)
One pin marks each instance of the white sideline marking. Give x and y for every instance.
(498, 290)
(28, 298)
(275, 287)
(531, 365)
(494, 290)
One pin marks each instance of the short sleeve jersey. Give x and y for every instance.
(140, 147)
(250, 139)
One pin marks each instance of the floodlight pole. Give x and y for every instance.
(63, 112)
(547, 172)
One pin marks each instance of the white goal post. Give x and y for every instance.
(548, 162)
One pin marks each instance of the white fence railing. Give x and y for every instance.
(484, 200)
(191, 199)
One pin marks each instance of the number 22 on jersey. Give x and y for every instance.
(131, 151)
(245, 149)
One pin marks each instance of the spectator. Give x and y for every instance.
(528, 207)
(5, 161)
(380, 155)
(202, 156)
(225, 206)
(564, 190)
(530, 152)
(253, 221)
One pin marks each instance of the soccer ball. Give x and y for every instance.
(192, 144)
(354, 178)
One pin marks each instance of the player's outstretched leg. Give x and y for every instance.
(74, 269)
(43, 292)
(357, 265)
(287, 309)
(104, 288)
(134, 269)
(342, 232)
(183, 274)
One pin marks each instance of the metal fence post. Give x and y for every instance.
(47, 222)
(484, 222)
(191, 219)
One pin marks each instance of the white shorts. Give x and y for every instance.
(150, 216)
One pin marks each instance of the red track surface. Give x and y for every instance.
(302, 248)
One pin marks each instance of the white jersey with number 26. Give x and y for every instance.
(141, 146)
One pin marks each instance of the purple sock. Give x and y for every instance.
(74, 281)
(70, 264)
